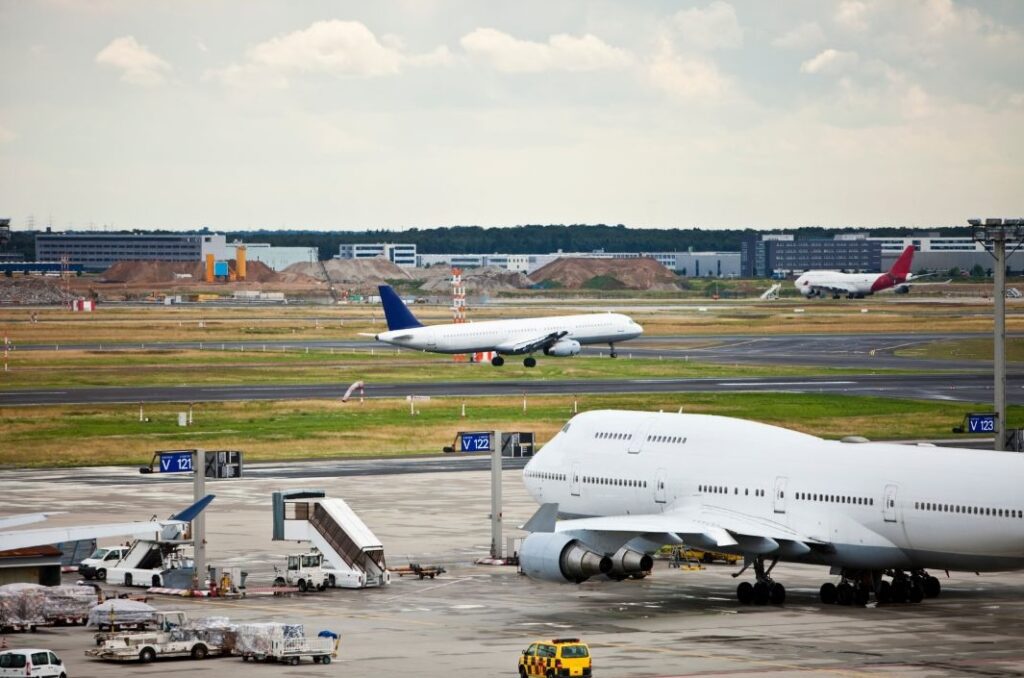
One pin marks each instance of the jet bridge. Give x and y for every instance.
(353, 555)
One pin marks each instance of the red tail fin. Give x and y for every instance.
(901, 267)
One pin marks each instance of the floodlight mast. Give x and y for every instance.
(998, 232)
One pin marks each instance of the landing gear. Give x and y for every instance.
(764, 590)
(497, 361)
(613, 354)
(856, 587)
(529, 361)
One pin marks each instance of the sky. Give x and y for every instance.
(237, 114)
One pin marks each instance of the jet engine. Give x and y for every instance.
(563, 348)
(629, 563)
(902, 289)
(560, 557)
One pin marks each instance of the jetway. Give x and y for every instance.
(353, 555)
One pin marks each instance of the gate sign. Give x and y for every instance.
(476, 442)
(176, 462)
(981, 423)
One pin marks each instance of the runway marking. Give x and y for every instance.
(789, 383)
(436, 586)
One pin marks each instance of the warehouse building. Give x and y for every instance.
(400, 254)
(98, 251)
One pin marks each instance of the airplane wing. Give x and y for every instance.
(705, 526)
(55, 535)
(26, 518)
(835, 288)
(517, 346)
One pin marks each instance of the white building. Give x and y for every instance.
(277, 258)
(400, 254)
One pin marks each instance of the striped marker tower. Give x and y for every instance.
(458, 305)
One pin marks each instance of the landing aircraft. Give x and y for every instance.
(555, 336)
(55, 535)
(878, 514)
(859, 285)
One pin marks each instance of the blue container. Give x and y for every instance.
(220, 269)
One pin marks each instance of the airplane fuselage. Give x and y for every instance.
(868, 505)
(825, 283)
(493, 335)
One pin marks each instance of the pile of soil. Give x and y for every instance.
(634, 274)
(33, 290)
(353, 271)
(485, 280)
(151, 272)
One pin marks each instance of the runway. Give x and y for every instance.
(950, 387)
(851, 351)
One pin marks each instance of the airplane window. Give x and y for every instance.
(645, 483)
(735, 490)
(1000, 513)
(746, 492)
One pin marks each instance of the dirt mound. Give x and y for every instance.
(33, 291)
(353, 271)
(476, 280)
(634, 274)
(148, 272)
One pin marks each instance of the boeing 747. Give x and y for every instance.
(880, 515)
(859, 285)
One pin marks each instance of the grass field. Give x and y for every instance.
(71, 369)
(964, 349)
(280, 430)
(120, 324)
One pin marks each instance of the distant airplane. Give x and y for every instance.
(630, 482)
(56, 535)
(555, 336)
(859, 285)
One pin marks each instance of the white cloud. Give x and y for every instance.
(830, 62)
(807, 35)
(560, 53)
(338, 48)
(6, 135)
(137, 64)
(686, 77)
(333, 47)
(714, 27)
(853, 14)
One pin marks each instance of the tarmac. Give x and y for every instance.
(474, 620)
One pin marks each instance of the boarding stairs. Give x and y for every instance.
(772, 293)
(330, 283)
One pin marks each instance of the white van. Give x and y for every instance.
(96, 565)
(31, 664)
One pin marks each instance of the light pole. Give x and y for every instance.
(997, 233)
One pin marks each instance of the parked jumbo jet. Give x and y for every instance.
(859, 285)
(878, 514)
(556, 336)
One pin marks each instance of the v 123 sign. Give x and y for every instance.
(981, 423)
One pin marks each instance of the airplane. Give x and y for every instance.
(18, 539)
(880, 515)
(859, 285)
(555, 336)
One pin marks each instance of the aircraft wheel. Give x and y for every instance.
(828, 593)
(497, 361)
(745, 593)
(844, 594)
(530, 362)
(915, 593)
(900, 591)
(760, 593)
(777, 594)
(883, 596)
(861, 595)
(932, 587)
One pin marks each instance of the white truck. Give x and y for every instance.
(151, 563)
(304, 570)
(170, 638)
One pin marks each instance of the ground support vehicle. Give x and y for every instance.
(34, 663)
(292, 650)
(556, 657)
(95, 566)
(304, 570)
(148, 646)
(421, 571)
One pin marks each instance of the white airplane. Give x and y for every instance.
(57, 535)
(629, 482)
(859, 285)
(555, 336)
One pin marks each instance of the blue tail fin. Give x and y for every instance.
(398, 315)
(189, 514)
